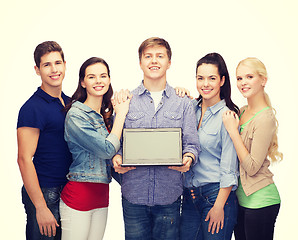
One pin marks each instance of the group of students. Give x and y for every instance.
(223, 186)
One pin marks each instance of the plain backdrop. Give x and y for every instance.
(114, 30)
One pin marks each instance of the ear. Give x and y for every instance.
(37, 70)
(169, 64)
(222, 81)
(264, 81)
(83, 84)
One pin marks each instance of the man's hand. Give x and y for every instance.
(187, 161)
(117, 161)
(46, 221)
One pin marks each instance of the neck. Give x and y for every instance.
(55, 92)
(52, 91)
(155, 85)
(210, 103)
(256, 102)
(94, 103)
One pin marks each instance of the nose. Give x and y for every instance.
(154, 59)
(54, 68)
(206, 82)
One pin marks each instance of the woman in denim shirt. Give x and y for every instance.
(92, 142)
(209, 208)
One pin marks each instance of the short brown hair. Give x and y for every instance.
(155, 41)
(44, 48)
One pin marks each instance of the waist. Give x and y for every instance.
(89, 177)
(85, 196)
(152, 185)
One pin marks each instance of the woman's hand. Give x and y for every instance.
(216, 219)
(181, 92)
(231, 121)
(121, 102)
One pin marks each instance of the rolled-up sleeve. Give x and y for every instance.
(229, 163)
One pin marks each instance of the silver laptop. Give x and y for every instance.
(154, 146)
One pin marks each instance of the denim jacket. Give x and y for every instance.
(90, 144)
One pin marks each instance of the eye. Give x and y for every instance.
(239, 78)
(250, 76)
(199, 78)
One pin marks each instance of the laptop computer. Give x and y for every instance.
(152, 146)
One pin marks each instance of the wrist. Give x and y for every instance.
(188, 155)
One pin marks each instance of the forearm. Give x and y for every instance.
(118, 125)
(239, 145)
(31, 182)
(222, 197)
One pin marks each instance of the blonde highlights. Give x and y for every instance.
(259, 67)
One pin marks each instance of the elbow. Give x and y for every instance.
(251, 166)
(252, 169)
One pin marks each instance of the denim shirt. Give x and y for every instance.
(159, 185)
(218, 158)
(90, 144)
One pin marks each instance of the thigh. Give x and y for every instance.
(137, 221)
(190, 215)
(75, 224)
(239, 230)
(51, 196)
(165, 221)
(230, 213)
(98, 224)
(259, 223)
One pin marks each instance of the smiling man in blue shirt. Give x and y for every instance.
(151, 194)
(43, 154)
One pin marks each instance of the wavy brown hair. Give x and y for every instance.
(81, 94)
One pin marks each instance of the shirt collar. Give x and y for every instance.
(215, 108)
(142, 89)
(41, 93)
(82, 106)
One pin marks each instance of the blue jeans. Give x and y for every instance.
(52, 198)
(151, 222)
(196, 204)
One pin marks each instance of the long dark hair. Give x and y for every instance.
(225, 90)
(81, 94)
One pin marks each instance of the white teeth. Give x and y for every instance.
(154, 68)
(207, 90)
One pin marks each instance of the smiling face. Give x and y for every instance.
(209, 83)
(249, 82)
(51, 70)
(96, 80)
(155, 63)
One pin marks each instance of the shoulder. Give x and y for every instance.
(266, 117)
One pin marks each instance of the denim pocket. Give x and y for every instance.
(212, 193)
(172, 119)
(51, 195)
(135, 119)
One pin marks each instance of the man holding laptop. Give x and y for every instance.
(151, 194)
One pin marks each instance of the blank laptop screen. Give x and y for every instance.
(158, 146)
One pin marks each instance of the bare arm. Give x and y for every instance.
(27, 143)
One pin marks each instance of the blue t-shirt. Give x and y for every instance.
(52, 157)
